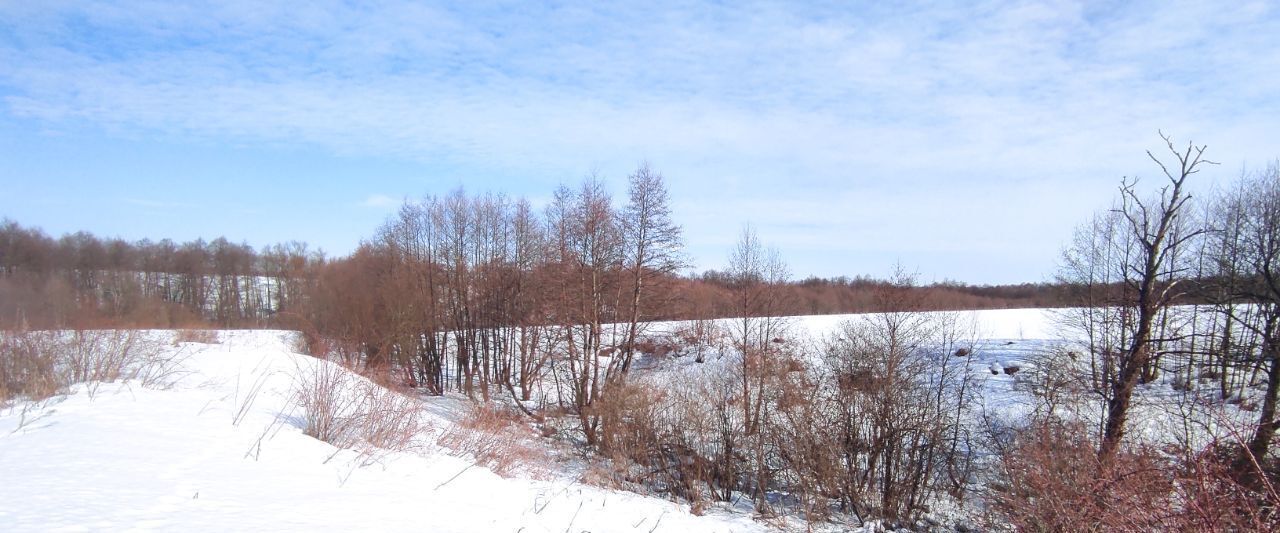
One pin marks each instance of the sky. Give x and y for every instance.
(962, 140)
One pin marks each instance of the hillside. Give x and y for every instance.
(125, 456)
(216, 435)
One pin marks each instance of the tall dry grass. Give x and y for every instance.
(35, 365)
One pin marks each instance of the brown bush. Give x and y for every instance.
(1052, 481)
(497, 438)
(699, 337)
(655, 439)
(329, 412)
(202, 336)
(28, 366)
(656, 347)
(628, 420)
(350, 412)
(1221, 492)
(39, 364)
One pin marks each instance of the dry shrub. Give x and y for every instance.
(315, 345)
(1052, 481)
(1221, 492)
(393, 420)
(656, 347)
(97, 356)
(599, 474)
(28, 366)
(202, 336)
(700, 337)
(329, 410)
(39, 364)
(629, 418)
(350, 412)
(652, 437)
(498, 439)
(104, 356)
(629, 432)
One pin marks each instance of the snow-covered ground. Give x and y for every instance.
(133, 458)
(221, 447)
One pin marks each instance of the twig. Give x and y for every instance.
(575, 517)
(455, 476)
(659, 522)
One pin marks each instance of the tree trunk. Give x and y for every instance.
(1261, 442)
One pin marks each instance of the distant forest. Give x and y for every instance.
(83, 280)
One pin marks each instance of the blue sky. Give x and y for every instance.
(964, 140)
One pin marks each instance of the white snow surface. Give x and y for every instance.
(208, 454)
(137, 459)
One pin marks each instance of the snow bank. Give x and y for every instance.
(223, 450)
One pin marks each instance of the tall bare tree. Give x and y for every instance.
(758, 275)
(1152, 275)
(653, 244)
(586, 243)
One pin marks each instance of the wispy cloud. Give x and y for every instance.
(779, 111)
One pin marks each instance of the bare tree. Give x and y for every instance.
(1152, 279)
(757, 275)
(1248, 221)
(653, 244)
(586, 246)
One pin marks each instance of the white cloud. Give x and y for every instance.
(766, 111)
(380, 201)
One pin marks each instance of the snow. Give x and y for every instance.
(132, 458)
(222, 448)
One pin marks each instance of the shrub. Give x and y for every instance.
(700, 337)
(203, 336)
(28, 366)
(1220, 491)
(663, 438)
(497, 438)
(101, 356)
(351, 412)
(1052, 481)
(329, 410)
(38, 364)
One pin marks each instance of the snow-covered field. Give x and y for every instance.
(222, 448)
(132, 458)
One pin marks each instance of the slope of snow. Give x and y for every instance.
(223, 450)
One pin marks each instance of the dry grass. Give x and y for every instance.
(202, 336)
(498, 439)
(35, 365)
(28, 366)
(351, 412)
(1053, 482)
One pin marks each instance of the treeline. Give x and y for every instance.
(826, 296)
(80, 280)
